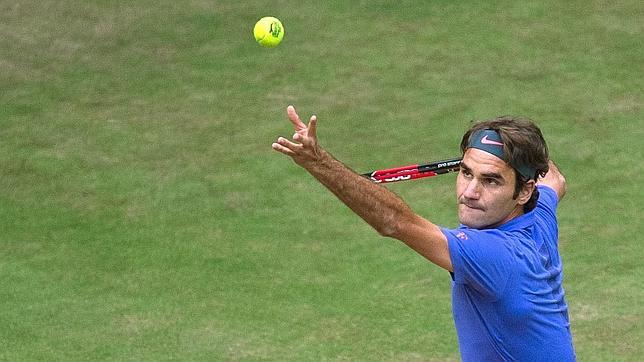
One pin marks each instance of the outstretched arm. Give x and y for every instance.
(554, 179)
(379, 207)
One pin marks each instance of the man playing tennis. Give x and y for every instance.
(507, 297)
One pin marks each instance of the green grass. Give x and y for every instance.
(145, 217)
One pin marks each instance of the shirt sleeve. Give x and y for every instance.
(547, 199)
(546, 214)
(481, 259)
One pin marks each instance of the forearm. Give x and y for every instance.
(382, 209)
(379, 207)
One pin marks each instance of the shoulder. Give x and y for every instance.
(482, 259)
(480, 246)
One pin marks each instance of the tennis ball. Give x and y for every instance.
(268, 31)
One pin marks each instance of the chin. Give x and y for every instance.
(472, 221)
(473, 224)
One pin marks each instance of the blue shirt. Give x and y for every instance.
(507, 298)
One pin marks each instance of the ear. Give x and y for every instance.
(526, 192)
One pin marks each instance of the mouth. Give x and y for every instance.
(472, 206)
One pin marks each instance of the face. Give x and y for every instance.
(485, 189)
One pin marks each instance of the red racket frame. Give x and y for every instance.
(413, 172)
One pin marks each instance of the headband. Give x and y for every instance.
(490, 141)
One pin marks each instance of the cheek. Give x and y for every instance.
(460, 185)
(503, 201)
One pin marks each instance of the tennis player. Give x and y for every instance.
(508, 301)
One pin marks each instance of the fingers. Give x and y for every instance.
(279, 148)
(313, 127)
(287, 147)
(295, 119)
(303, 138)
(288, 144)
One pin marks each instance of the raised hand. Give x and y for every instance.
(303, 149)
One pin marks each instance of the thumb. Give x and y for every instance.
(313, 127)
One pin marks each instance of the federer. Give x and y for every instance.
(507, 297)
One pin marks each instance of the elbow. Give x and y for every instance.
(394, 226)
(555, 179)
(564, 187)
(389, 227)
(387, 230)
(559, 185)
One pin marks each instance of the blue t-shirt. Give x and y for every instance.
(507, 298)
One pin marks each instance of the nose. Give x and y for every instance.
(472, 190)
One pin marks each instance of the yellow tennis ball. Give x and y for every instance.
(268, 31)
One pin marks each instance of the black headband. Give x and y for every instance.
(490, 141)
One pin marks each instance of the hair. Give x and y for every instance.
(523, 144)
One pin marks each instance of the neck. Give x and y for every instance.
(516, 212)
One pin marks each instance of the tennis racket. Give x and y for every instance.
(413, 172)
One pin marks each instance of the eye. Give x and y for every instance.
(466, 173)
(492, 181)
